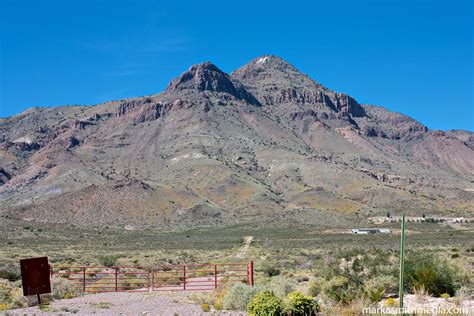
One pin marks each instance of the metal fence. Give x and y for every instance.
(185, 277)
(106, 279)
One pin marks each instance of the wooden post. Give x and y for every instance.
(215, 276)
(39, 298)
(250, 273)
(184, 277)
(402, 263)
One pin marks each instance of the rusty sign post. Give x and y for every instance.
(35, 276)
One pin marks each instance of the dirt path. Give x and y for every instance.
(243, 250)
(122, 303)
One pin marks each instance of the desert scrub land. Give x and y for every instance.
(339, 272)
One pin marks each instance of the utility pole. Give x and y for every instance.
(402, 263)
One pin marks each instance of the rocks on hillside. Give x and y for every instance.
(142, 109)
(277, 82)
(207, 77)
(4, 176)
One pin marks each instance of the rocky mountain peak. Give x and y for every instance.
(275, 81)
(208, 77)
(273, 68)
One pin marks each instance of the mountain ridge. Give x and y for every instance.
(264, 142)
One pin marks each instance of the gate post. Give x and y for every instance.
(215, 276)
(250, 273)
(84, 279)
(116, 279)
(184, 277)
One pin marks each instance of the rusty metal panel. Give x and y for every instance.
(35, 276)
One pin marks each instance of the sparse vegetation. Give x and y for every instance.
(341, 270)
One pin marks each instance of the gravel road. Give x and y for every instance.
(123, 303)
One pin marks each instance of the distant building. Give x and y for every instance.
(367, 231)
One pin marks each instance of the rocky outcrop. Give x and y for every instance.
(27, 146)
(276, 82)
(145, 109)
(207, 77)
(373, 131)
(4, 176)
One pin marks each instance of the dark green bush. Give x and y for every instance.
(265, 303)
(11, 273)
(270, 271)
(301, 305)
(436, 276)
(108, 260)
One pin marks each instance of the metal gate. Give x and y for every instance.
(106, 279)
(201, 276)
(185, 277)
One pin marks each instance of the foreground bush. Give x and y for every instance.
(436, 276)
(301, 305)
(11, 295)
(239, 296)
(265, 303)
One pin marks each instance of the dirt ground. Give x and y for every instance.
(122, 303)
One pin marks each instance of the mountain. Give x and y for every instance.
(264, 143)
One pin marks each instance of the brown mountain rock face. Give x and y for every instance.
(265, 143)
(207, 77)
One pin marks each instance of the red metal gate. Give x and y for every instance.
(106, 279)
(185, 277)
(201, 276)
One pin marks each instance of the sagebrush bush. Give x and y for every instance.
(239, 296)
(301, 305)
(64, 288)
(265, 303)
(281, 285)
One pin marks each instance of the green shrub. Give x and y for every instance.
(314, 288)
(301, 305)
(376, 288)
(281, 285)
(63, 288)
(11, 273)
(109, 260)
(11, 295)
(434, 275)
(340, 290)
(270, 271)
(239, 296)
(265, 303)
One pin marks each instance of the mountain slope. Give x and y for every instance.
(264, 143)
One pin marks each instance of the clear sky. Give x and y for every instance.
(413, 56)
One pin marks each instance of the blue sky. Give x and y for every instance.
(414, 57)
